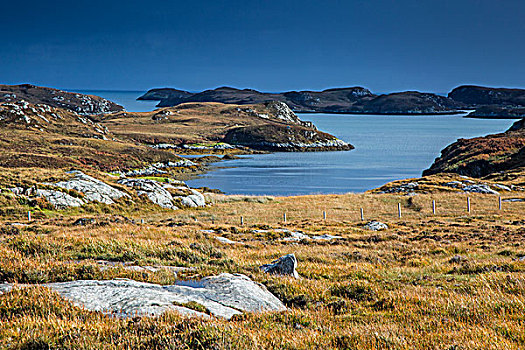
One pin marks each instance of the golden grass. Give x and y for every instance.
(393, 289)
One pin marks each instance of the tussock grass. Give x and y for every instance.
(449, 281)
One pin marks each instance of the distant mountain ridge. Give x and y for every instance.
(487, 102)
(355, 99)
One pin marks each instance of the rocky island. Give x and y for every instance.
(483, 102)
(353, 100)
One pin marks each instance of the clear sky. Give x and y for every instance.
(426, 45)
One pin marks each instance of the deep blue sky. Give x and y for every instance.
(426, 45)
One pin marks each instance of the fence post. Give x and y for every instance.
(468, 205)
(362, 215)
(434, 207)
(29, 215)
(284, 217)
(499, 202)
(399, 210)
(242, 220)
(324, 215)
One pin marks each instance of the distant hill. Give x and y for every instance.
(491, 102)
(339, 100)
(485, 101)
(48, 128)
(75, 102)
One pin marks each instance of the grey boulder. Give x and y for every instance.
(480, 189)
(196, 199)
(284, 266)
(376, 226)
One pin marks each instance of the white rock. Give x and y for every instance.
(296, 236)
(226, 240)
(223, 296)
(480, 189)
(326, 237)
(376, 226)
(152, 189)
(59, 199)
(94, 190)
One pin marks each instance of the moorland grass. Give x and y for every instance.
(448, 281)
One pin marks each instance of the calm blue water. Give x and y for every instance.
(387, 148)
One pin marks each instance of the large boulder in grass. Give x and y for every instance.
(284, 266)
(222, 296)
(93, 189)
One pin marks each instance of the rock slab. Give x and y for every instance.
(223, 296)
(94, 190)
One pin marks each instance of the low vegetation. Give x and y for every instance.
(447, 281)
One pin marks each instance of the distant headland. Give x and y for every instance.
(481, 102)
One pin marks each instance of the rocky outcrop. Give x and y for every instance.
(481, 156)
(166, 195)
(160, 193)
(498, 112)
(281, 137)
(79, 103)
(152, 189)
(284, 266)
(59, 199)
(93, 189)
(158, 168)
(375, 226)
(165, 93)
(87, 188)
(222, 296)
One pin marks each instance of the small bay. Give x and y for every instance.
(388, 148)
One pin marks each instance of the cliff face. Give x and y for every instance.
(75, 102)
(340, 100)
(481, 156)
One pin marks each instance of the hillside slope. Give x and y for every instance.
(75, 102)
(266, 126)
(481, 156)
